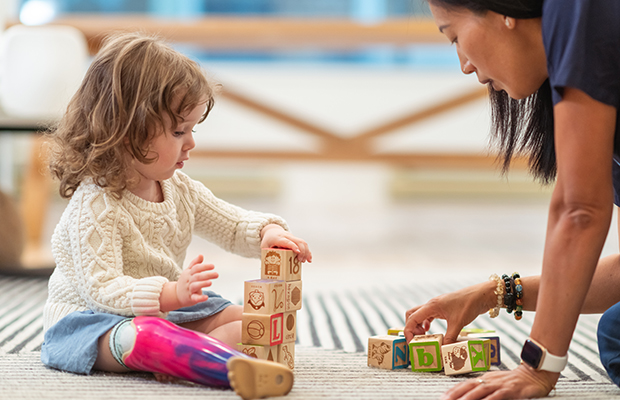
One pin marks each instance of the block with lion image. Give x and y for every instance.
(264, 296)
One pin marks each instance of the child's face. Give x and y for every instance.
(171, 147)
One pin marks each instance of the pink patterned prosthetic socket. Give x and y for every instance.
(165, 348)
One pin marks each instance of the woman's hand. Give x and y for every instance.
(458, 308)
(187, 291)
(275, 236)
(521, 383)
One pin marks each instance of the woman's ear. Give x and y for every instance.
(510, 22)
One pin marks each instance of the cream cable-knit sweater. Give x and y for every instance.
(115, 255)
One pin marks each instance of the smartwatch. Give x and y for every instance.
(537, 357)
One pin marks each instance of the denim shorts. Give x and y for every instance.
(71, 343)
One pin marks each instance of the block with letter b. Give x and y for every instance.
(388, 352)
(470, 355)
(263, 296)
(425, 353)
(280, 264)
(262, 329)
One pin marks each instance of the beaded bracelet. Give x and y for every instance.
(508, 296)
(516, 278)
(499, 292)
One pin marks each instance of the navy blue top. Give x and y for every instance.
(582, 43)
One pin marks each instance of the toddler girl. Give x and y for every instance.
(119, 298)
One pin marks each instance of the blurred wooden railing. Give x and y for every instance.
(259, 33)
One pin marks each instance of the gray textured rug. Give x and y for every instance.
(333, 329)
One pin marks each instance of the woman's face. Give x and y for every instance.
(504, 52)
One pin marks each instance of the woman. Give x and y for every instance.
(553, 70)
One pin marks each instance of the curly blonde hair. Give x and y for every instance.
(131, 84)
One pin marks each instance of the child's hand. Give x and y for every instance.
(187, 291)
(192, 280)
(275, 236)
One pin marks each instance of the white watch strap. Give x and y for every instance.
(553, 363)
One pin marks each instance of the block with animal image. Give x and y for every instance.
(466, 356)
(425, 353)
(269, 353)
(293, 296)
(494, 346)
(286, 354)
(388, 352)
(264, 296)
(262, 329)
(280, 265)
(289, 327)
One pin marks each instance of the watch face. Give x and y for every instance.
(531, 354)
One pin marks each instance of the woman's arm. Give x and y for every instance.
(579, 215)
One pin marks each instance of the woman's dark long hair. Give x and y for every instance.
(518, 126)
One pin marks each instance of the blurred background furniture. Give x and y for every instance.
(40, 69)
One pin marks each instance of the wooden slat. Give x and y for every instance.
(254, 33)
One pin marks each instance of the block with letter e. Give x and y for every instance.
(280, 265)
(494, 346)
(388, 352)
(262, 329)
(470, 355)
(425, 353)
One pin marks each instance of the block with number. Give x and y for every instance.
(425, 353)
(471, 355)
(293, 296)
(280, 264)
(269, 353)
(286, 355)
(388, 352)
(262, 329)
(264, 296)
(289, 328)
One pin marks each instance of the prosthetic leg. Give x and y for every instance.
(159, 346)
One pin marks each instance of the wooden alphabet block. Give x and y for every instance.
(388, 352)
(399, 331)
(293, 296)
(425, 353)
(269, 353)
(262, 329)
(494, 346)
(290, 327)
(286, 355)
(263, 296)
(467, 356)
(280, 265)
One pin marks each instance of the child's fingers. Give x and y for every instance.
(204, 276)
(198, 268)
(196, 287)
(199, 298)
(196, 260)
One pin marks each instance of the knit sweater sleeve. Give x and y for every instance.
(96, 234)
(231, 227)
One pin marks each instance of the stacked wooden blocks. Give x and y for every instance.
(427, 353)
(270, 304)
